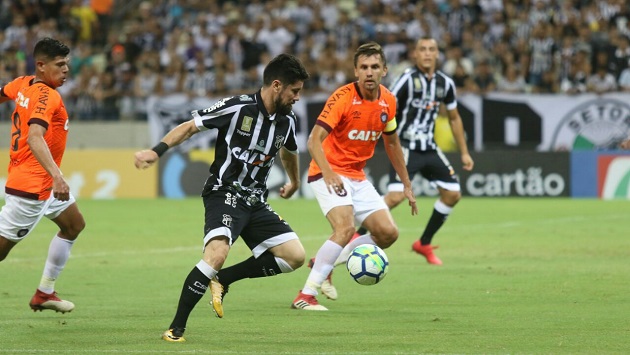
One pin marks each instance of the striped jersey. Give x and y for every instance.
(248, 140)
(418, 103)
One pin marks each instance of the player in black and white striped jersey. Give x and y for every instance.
(252, 130)
(420, 91)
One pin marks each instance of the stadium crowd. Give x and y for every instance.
(123, 52)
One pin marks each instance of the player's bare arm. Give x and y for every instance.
(290, 162)
(457, 127)
(147, 157)
(40, 150)
(333, 180)
(395, 154)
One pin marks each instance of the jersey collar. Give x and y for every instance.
(261, 106)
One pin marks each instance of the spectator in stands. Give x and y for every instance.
(144, 85)
(484, 78)
(511, 81)
(624, 79)
(601, 81)
(107, 96)
(454, 58)
(621, 54)
(171, 78)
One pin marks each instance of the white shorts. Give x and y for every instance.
(19, 216)
(360, 194)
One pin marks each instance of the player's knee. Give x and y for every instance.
(386, 236)
(295, 261)
(452, 198)
(345, 233)
(296, 258)
(72, 230)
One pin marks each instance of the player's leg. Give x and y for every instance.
(66, 215)
(395, 187)
(220, 233)
(439, 171)
(275, 247)
(5, 247)
(339, 211)
(18, 217)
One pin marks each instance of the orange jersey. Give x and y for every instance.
(34, 104)
(354, 127)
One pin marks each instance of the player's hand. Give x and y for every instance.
(467, 162)
(412, 200)
(145, 158)
(334, 184)
(61, 190)
(288, 190)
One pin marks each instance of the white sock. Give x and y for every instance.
(58, 254)
(345, 253)
(326, 256)
(206, 269)
(283, 265)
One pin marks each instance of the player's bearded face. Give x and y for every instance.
(283, 107)
(288, 96)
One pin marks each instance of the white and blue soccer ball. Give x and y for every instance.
(367, 264)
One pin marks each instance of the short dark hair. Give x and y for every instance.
(49, 48)
(369, 49)
(286, 68)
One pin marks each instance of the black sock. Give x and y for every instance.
(435, 222)
(194, 288)
(263, 266)
(362, 231)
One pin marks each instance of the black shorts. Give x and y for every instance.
(432, 165)
(258, 224)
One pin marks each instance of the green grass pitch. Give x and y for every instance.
(520, 276)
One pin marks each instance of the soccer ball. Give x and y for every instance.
(367, 264)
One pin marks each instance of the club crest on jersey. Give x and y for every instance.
(417, 86)
(439, 93)
(356, 115)
(247, 124)
(261, 145)
(383, 117)
(279, 141)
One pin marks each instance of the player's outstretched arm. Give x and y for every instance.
(395, 154)
(147, 157)
(457, 127)
(332, 179)
(37, 144)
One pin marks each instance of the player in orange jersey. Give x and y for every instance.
(35, 187)
(344, 137)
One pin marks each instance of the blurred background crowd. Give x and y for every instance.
(124, 51)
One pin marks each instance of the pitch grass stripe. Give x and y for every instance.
(308, 237)
(162, 351)
(512, 224)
